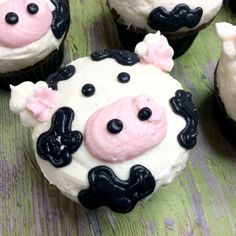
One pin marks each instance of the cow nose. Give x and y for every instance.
(114, 126)
(125, 128)
(145, 113)
(11, 18)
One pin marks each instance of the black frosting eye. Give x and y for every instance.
(115, 126)
(32, 8)
(123, 77)
(145, 113)
(88, 90)
(11, 18)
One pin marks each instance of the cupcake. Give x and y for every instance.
(225, 81)
(179, 20)
(110, 129)
(32, 33)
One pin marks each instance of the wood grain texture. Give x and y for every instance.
(201, 201)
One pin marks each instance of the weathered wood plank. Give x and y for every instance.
(200, 202)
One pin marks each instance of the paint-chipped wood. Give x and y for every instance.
(201, 201)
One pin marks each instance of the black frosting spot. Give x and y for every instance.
(115, 126)
(121, 56)
(32, 8)
(11, 18)
(106, 189)
(88, 90)
(145, 113)
(61, 17)
(123, 77)
(63, 74)
(59, 142)
(182, 105)
(180, 16)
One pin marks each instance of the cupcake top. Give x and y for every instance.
(111, 128)
(166, 15)
(226, 69)
(30, 30)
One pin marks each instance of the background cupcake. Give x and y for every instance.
(32, 33)
(179, 21)
(225, 81)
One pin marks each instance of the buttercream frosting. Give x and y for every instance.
(155, 49)
(164, 161)
(114, 123)
(226, 69)
(21, 46)
(29, 28)
(123, 146)
(136, 12)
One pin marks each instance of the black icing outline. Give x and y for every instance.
(59, 143)
(182, 105)
(106, 189)
(123, 57)
(61, 17)
(63, 74)
(180, 16)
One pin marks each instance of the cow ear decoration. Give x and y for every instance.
(155, 49)
(227, 34)
(33, 102)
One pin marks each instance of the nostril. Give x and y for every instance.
(145, 113)
(11, 18)
(32, 8)
(114, 126)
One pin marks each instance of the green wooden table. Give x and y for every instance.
(201, 201)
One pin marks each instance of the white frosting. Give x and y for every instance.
(164, 161)
(136, 12)
(226, 70)
(12, 59)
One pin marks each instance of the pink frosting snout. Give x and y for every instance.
(125, 129)
(23, 22)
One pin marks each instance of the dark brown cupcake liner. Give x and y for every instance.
(130, 37)
(39, 71)
(225, 123)
(232, 4)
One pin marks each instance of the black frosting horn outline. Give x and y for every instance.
(106, 189)
(182, 105)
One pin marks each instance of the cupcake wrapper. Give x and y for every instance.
(232, 4)
(226, 124)
(39, 71)
(129, 37)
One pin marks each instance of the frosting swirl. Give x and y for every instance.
(28, 28)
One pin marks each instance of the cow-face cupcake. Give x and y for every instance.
(111, 128)
(225, 81)
(32, 33)
(179, 20)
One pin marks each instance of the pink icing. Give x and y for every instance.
(159, 54)
(41, 103)
(29, 28)
(136, 137)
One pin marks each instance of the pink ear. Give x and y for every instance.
(155, 50)
(42, 102)
(159, 57)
